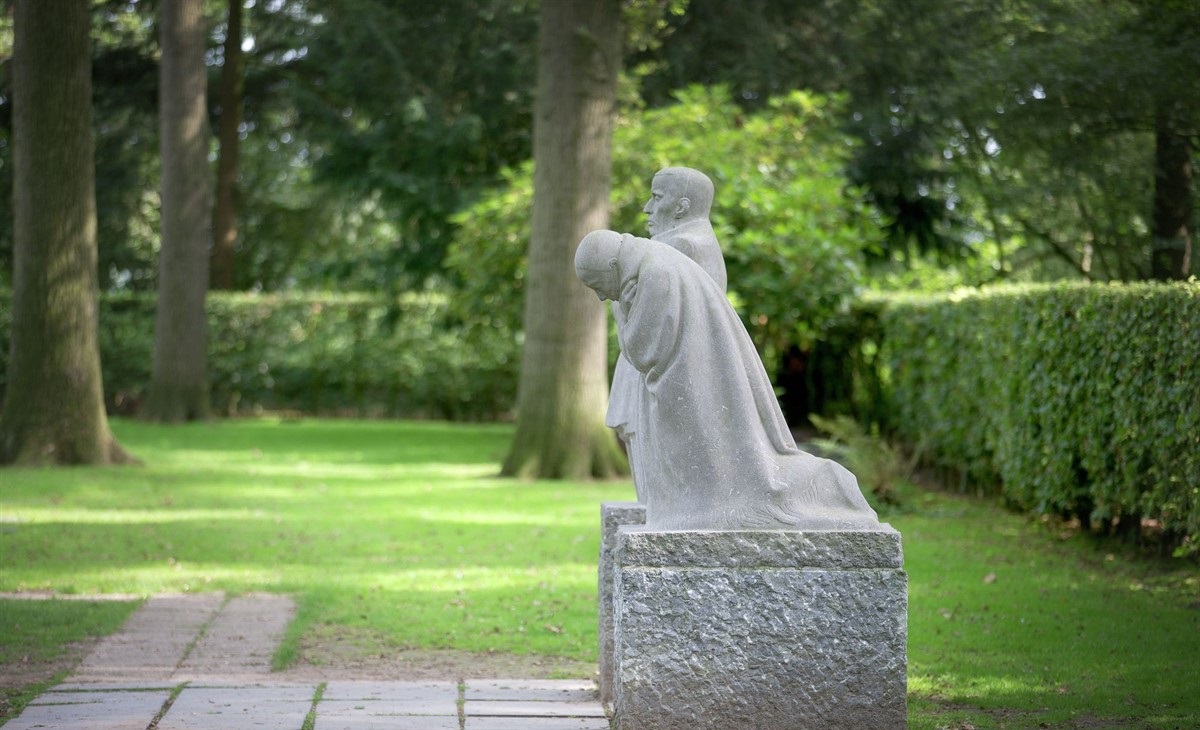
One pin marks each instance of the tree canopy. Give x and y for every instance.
(1047, 139)
(385, 145)
(792, 230)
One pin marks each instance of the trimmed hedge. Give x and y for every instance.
(317, 353)
(1079, 399)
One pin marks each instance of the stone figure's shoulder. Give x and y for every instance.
(662, 257)
(683, 236)
(684, 244)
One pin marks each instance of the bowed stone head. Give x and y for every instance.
(596, 263)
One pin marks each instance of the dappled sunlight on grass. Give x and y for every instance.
(132, 516)
(431, 470)
(1011, 624)
(393, 528)
(988, 689)
(171, 574)
(350, 471)
(148, 579)
(476, 517)
(566, 575)
(322, 441)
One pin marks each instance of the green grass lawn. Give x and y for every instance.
(401, 533)
(1016, 624)
(40, 642)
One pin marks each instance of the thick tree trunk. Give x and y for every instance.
(54, 406)
(564, 369)
(179, 390)
(1172, 254)
(225, 224)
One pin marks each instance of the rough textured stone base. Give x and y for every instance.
(613, 515)
(772, 630)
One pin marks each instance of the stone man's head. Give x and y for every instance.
(677, 195)
(596, 263)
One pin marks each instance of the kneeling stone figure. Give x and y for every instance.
(713, 450)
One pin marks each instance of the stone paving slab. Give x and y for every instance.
(285, 706)
(532, 708)
(414, 706)
(251, 693)
(57, 696)
(536, 723)
(384, 722)
(364, 690)
(152, 642)
(241, 638)
(215, 654)
(214, 705)
(116, 710)
(531, 689)
(113, 686)
(281, 707)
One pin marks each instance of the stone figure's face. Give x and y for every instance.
(596, 263)
(665, 207)
(603, 281)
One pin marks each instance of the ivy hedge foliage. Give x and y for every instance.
(1078, 399)
(344, 354)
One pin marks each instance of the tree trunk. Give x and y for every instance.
(225, 223)
(179, 389)
(564, 369)
(54, 406)
(1172, 253)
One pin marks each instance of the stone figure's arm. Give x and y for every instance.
(685, 246)
(618, 315)
(650, 337)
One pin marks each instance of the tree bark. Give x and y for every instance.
(225, 224)
(564, 368)
(1172, 251)
(179, 389)
(53, 409)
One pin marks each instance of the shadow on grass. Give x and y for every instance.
(328, 441)
(42, 640)
(1015, 625)
(398, 531)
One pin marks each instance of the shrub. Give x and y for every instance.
(317, 353)
(1079, 399)
(879, 466)
(791, 227)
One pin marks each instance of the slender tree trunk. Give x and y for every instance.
(179, 390)
(564, 368)
(225, 224)
(54, 405)
(1172, 254)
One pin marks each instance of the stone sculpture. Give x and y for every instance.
(763, 629)
(753, 586)
(677, 214)
(711, 449)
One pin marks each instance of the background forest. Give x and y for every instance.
(961, 234)
(947, 142)
(374, 197)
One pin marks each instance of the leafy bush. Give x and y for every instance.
(1081, 399)
(317, 353)
(791, 228)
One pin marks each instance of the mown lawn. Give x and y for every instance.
(402, 532)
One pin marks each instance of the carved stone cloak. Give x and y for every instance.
(712, 445)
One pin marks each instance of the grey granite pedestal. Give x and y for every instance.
(771, 630)
(613, 516)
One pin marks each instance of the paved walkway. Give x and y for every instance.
(202, 662)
